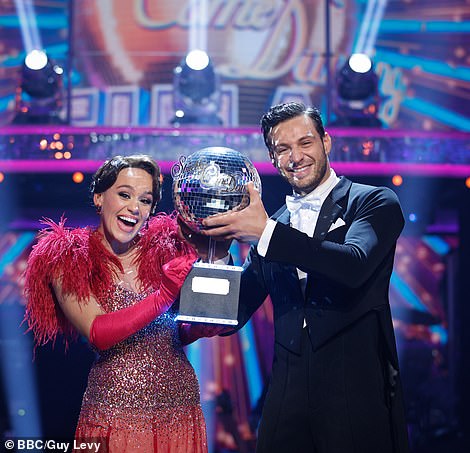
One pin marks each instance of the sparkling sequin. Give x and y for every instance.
(143, 394)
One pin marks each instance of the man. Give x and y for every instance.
(325, 259)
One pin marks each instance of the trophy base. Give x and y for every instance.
(210, 294)
(190, 318)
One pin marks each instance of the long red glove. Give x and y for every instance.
(192, 332)
(111, 328)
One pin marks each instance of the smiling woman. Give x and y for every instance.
(116, 286)
(125, 206)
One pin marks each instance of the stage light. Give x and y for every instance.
(360, 62)
(467, 182)
(196, 96)
(356, 100)
(39, 94)
(36, 60)
(197, 60)
(397, 180)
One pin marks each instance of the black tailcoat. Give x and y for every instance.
(349, 268)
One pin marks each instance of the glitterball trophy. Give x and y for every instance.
(211, 181)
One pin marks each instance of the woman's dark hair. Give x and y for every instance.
(283, 112)
(107, 174)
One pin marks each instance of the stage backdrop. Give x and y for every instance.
(119, 55)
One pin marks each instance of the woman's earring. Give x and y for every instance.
(98, 209)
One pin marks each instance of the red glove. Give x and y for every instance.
(192, 332)
(112, 328)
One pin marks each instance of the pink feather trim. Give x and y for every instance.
(158, 244)
(78, 258)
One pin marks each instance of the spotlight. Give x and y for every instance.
(360, 62)
(356, 100)
(197, 60)
(39, 94)
(36, 60)
(196, 98)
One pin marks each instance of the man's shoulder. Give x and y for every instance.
(366, 191)
(360, 188)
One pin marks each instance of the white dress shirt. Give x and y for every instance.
(305, 217)
(304, 212)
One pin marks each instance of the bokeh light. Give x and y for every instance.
(397, 180)
(78, 177)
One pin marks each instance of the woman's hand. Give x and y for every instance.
(200, 242)
(174, 274)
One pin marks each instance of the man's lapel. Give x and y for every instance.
(333, 207)
(283, 216)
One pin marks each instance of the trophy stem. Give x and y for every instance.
(211, 251)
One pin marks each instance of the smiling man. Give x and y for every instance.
(325, 259)
(299, 150)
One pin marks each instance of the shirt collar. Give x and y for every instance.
(321, 191)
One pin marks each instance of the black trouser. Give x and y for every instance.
(331, 400)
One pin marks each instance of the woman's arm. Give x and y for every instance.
(105, 330)
(80, 314)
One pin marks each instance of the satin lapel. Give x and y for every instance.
(333, 207)
(283, 216)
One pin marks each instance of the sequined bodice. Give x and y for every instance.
(146, 372)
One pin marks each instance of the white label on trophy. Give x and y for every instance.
(210, 285)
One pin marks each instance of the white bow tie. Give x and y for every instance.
(294, 203)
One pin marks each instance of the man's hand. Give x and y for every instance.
(192, 332)
(245, 225)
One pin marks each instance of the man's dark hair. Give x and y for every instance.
(282, 112)
(107, 174)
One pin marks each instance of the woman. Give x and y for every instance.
(116, 286)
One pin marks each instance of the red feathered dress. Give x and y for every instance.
(142, 394)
